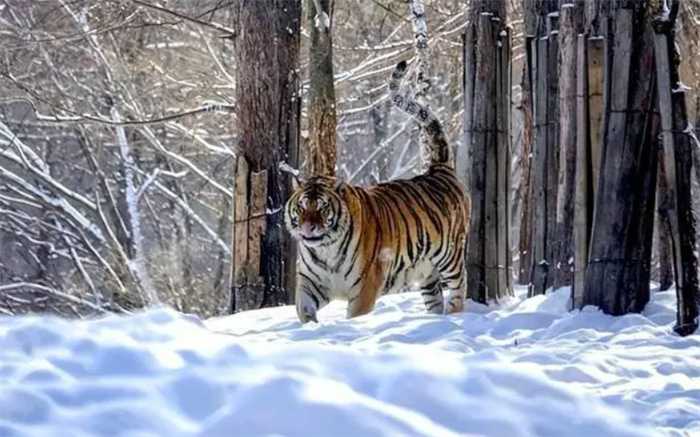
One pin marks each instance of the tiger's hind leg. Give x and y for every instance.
(455, 300)
(453, 280)
(432, 296)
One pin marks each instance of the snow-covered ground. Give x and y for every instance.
(528, 368)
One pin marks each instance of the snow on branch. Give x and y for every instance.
(185, 207)
(36, 165)
(51, 291)
(152, 178)
(153, 141)
(53, 202)
(88, 118)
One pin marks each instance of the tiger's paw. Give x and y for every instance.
(306, 309)
(455, 306)
(435, 307)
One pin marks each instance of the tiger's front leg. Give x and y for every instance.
(371, 284)
(359, 306)
(310, 298)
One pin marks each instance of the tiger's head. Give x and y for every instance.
(315, 212)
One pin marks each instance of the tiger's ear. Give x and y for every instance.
(339, 185)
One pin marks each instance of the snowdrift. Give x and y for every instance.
(526, 368)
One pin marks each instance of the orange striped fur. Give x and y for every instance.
(359, 243)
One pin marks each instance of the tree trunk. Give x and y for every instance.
(617, 276)
(676, 137)
(135, 249)
(487, 91)
(545, 162)
(570, 26)
(583, 207)
(525, 252)
(527, 183)
(267, 53)
(662, 232)
(322, 114)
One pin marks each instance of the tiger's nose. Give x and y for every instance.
(309, 228)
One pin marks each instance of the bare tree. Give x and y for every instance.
(106, 153)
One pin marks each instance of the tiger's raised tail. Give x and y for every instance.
(439, 149)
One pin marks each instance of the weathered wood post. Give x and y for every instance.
(590, 113)
(677, 161)
(583, 206)
(487, 133)
(503, 157)
(662, 249)
(570, 26)
(617, 275)
(545, 164)
(525, 244)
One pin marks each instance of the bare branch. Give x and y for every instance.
(230, 33)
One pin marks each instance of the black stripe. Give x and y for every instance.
(343, 250)
(309, 267)
(316, 289)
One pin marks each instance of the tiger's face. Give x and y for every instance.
(313, 212)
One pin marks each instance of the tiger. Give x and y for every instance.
(358, 243)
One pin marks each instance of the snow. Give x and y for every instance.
(525, 368)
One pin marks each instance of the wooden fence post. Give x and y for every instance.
(677, 157)
(595, 52)
(617, 275)
(583, 192)
(570, 19)
(545, 158)
(487, 89)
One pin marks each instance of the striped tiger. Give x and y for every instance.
(358, 243)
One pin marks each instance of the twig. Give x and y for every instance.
(52, 291)
(230, 33)
(87, 118)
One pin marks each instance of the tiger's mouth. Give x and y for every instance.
(311, 239)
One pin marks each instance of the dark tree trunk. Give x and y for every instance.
(677, 167)
(617, 276)
(267, 53)
(322, 115)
